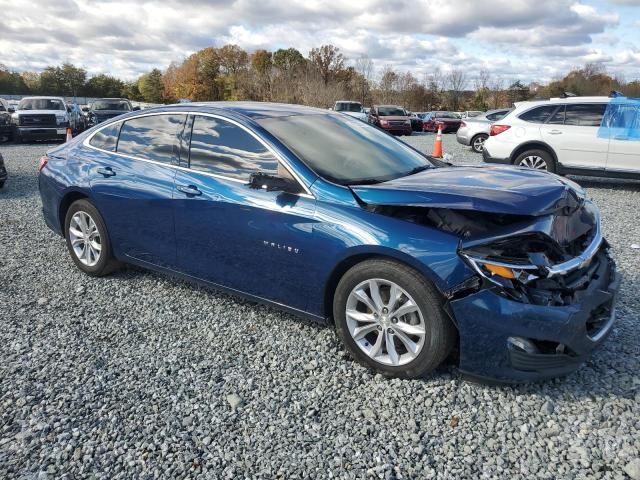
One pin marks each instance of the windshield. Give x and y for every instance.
(447, 115)
(41, 104)
(119, 105)
(348, 107)
(345, 150)
(391, 111)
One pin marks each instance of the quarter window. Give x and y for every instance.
(585, 115)
(153, 138)
(539, 114)
(222, 148)
(106, 138)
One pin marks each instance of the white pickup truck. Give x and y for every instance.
(42, 118)
(353, 109)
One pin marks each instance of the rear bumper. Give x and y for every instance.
(462, 136)
(488, 158)
(508, 341)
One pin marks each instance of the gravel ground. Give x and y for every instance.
(137, 375)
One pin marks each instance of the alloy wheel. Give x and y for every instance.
(385, 322)
(85, 238)
(533, 161)
(478, 144)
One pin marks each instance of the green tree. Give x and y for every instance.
(104, 86)
(151, 87)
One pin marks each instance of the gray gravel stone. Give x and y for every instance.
(633, 469)
(133, 375)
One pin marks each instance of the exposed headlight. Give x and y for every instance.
(496, 272)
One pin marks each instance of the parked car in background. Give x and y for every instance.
(575, 135)
(76, 118)
(474, 131)
(470, 114)
(450, 121)
(6, 127)
(41, 118)
(411, 259)
(3, 172)
(353, 109)
(106, 108)
(392, 118)
(416, 121)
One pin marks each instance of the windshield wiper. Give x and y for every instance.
(367, 181)
(419, 169)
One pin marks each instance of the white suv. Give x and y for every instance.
(575, 135)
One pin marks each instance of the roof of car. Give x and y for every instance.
(252, 109)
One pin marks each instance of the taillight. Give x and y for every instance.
(462, 124)
(43, 162)
(498, 129)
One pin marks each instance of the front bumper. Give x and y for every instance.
(492, 329)
(41, 133)
(487, 158)
(398, 130)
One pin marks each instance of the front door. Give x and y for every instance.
(624, 137)
(227, 233)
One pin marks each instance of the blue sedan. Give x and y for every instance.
(414, 261)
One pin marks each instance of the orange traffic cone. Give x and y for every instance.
(69, 135)
(437, 147)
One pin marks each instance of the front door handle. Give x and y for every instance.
(106, 171)
(189, 190)
(555, 132)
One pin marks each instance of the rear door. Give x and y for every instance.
(255, 241)
(572, 131)
(624, 138)
(133, 186)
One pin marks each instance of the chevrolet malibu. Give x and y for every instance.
(502, 270)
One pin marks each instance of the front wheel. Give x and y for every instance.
(88, 240)
(477, 143)
(391, 319)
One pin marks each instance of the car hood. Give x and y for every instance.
(107, 113)
(359, 115)
(503, 190)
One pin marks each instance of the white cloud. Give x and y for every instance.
(127, 37)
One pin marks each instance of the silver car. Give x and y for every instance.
(474, 131)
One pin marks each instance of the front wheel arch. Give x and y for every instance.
(358, 257)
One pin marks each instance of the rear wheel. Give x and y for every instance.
(88, 240)
(390, 319)
(477, 142)
(536, 159)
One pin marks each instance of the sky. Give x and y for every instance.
(530, 40)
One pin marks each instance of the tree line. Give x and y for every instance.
(319, 79)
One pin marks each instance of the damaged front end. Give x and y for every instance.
(543, 293)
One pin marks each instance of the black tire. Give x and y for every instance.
(106, 262)
(440, 334)
(536, 152)
(474, 147)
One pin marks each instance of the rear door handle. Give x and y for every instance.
(555, 132)
(106, 171)
(190, 190)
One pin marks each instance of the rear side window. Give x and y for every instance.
(538, 114)
(107, 138)
(153, 138)
(222, 148)
(585, 114)
(496, 116)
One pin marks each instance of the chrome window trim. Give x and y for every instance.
(279, 158)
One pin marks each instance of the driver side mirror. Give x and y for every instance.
(135, 109)
(272, 183)
(11, 110)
